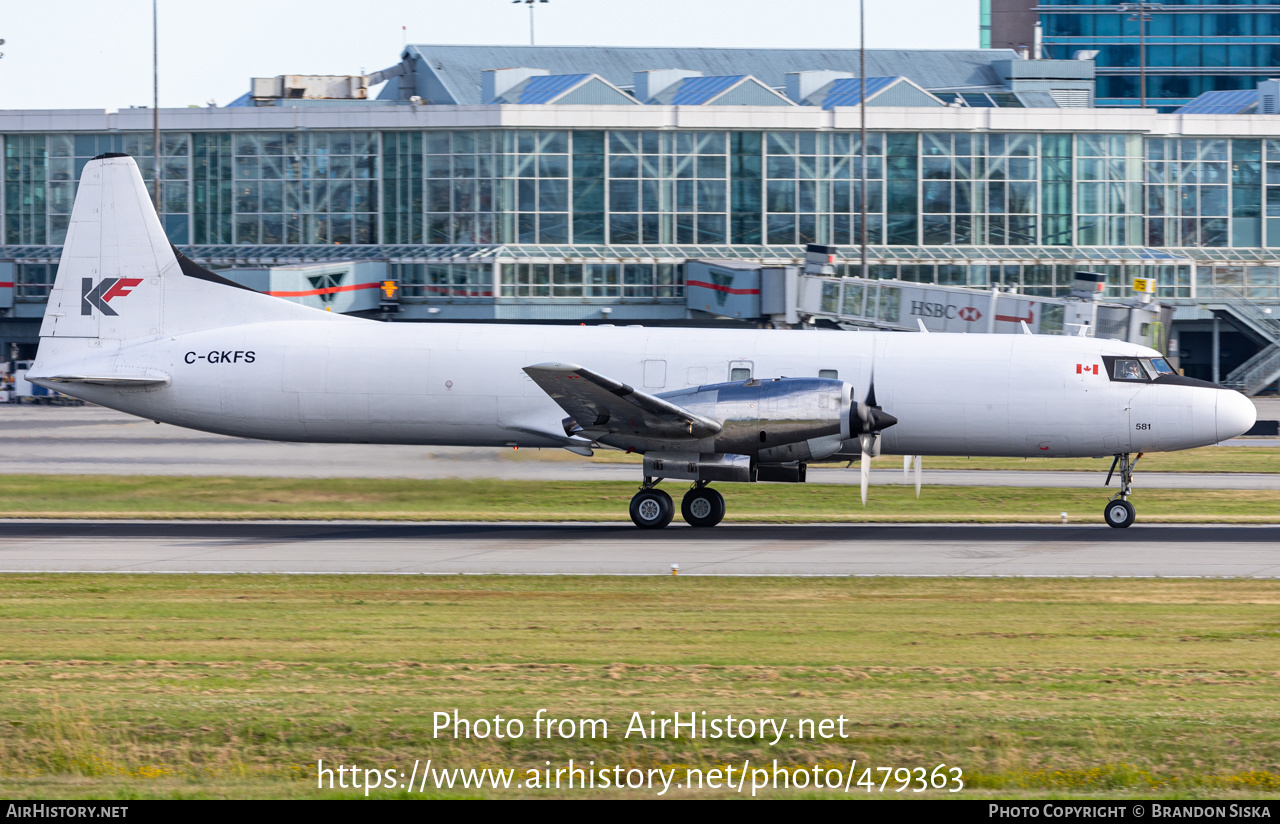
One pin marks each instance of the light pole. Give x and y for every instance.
(530, 4)
(155, 103)
(1141, 11)
(862, 131)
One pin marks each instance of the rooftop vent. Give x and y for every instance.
(310, 87)
(494, 83)
(649, 84)
(1269, 96)
(1070, 98)
(800, 85)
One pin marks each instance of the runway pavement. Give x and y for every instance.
(546, 549)
(92, 440)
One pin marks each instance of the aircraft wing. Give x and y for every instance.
(602, 405)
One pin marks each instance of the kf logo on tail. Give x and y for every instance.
(97, 297)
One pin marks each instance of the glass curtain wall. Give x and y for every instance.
(41, 174)
(1213, 192)
(647, 188)
(1109, 190)
(1192, 47)
(402, 187)
(1272, 196)
(305, 187)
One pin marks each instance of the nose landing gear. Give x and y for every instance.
(1119, 513)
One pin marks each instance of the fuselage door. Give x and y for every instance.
(741, 370)
(655, 374)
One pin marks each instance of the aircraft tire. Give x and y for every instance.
(702, 507)
(652, 509)
(1119, 514)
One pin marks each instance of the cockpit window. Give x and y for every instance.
(1125, 369)
(1137, 370)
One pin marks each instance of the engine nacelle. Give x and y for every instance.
(693, 466)
(777, 420)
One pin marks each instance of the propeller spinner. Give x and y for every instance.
(867, 420)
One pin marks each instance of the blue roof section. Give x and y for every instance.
(694, 91)
(847, 91)
(451, 74)
(545, 88)
(1240, 102)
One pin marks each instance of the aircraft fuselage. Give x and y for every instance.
(462, 384)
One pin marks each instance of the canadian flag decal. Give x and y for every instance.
(1086, 369)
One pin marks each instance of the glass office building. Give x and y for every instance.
(1192, 46)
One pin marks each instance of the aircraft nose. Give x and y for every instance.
(1236, 414)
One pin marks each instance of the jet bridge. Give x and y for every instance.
(790, 295)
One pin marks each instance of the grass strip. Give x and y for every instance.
(149, 497)
(131, 686)
(1228, 459)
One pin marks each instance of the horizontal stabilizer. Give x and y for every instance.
(122, 380)
(602, 405)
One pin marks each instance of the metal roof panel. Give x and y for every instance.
(545, 88)
(847, 91)
(459, 67)
(1236, 102)
(694, 91)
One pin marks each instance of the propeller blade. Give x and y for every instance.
(906, 468)
(919, 473)
(870, 442)
(864, 466)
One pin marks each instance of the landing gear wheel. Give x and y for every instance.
(652, 509)
(702, 506)
(1118, 514)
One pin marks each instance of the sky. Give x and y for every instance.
(85, 54)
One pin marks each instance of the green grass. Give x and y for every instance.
(114, 496)
(1249, 459)
(233, 686)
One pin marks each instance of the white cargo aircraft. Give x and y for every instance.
(133, 325)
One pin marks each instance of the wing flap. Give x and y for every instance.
(601, 405)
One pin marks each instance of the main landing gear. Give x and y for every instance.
(702, 506)
(651, 508)
(1119, 513)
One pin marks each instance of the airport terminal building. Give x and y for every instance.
(575, 184)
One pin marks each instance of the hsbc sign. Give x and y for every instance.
(98, 296)
(949, 311)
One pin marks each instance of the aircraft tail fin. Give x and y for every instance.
(120, 278)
